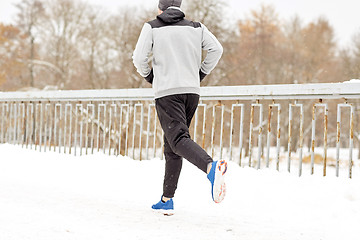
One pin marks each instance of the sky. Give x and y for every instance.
(343, 15)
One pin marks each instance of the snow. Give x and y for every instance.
(57, 196)
(353, 81)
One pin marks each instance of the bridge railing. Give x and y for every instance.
(299, 127)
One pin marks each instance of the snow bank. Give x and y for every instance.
(353, 81)
(55, 196)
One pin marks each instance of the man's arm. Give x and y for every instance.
(214, 52)
(141, 53)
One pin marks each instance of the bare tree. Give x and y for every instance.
(294, 60)
(60, 36)
(74, 45)
(124, 30)
(319, 49)
(13, 72)
(28, 18)
(260, 47)
(95, 49)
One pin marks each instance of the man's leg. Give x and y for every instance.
(173, 167)
(175, 113)
(173, 161)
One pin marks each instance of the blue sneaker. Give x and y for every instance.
(166, 208)
(216, 177)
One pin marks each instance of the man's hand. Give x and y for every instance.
(202, 75)
(150, 77)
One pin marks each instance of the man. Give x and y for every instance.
(176, 45)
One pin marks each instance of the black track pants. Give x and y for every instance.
(175, 113)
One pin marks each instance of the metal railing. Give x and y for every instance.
(229, 123)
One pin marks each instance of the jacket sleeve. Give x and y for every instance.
(141, 53)
(214, 51)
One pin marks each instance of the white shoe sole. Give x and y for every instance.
(219, 189)
(164, 212)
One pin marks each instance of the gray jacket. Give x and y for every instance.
(176, 45)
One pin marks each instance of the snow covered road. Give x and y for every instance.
(50, 196)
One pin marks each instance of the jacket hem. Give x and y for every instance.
(173, 91)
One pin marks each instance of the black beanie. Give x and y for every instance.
(164, 4)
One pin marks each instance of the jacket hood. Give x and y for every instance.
(171, 15)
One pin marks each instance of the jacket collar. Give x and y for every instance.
(172, 15)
